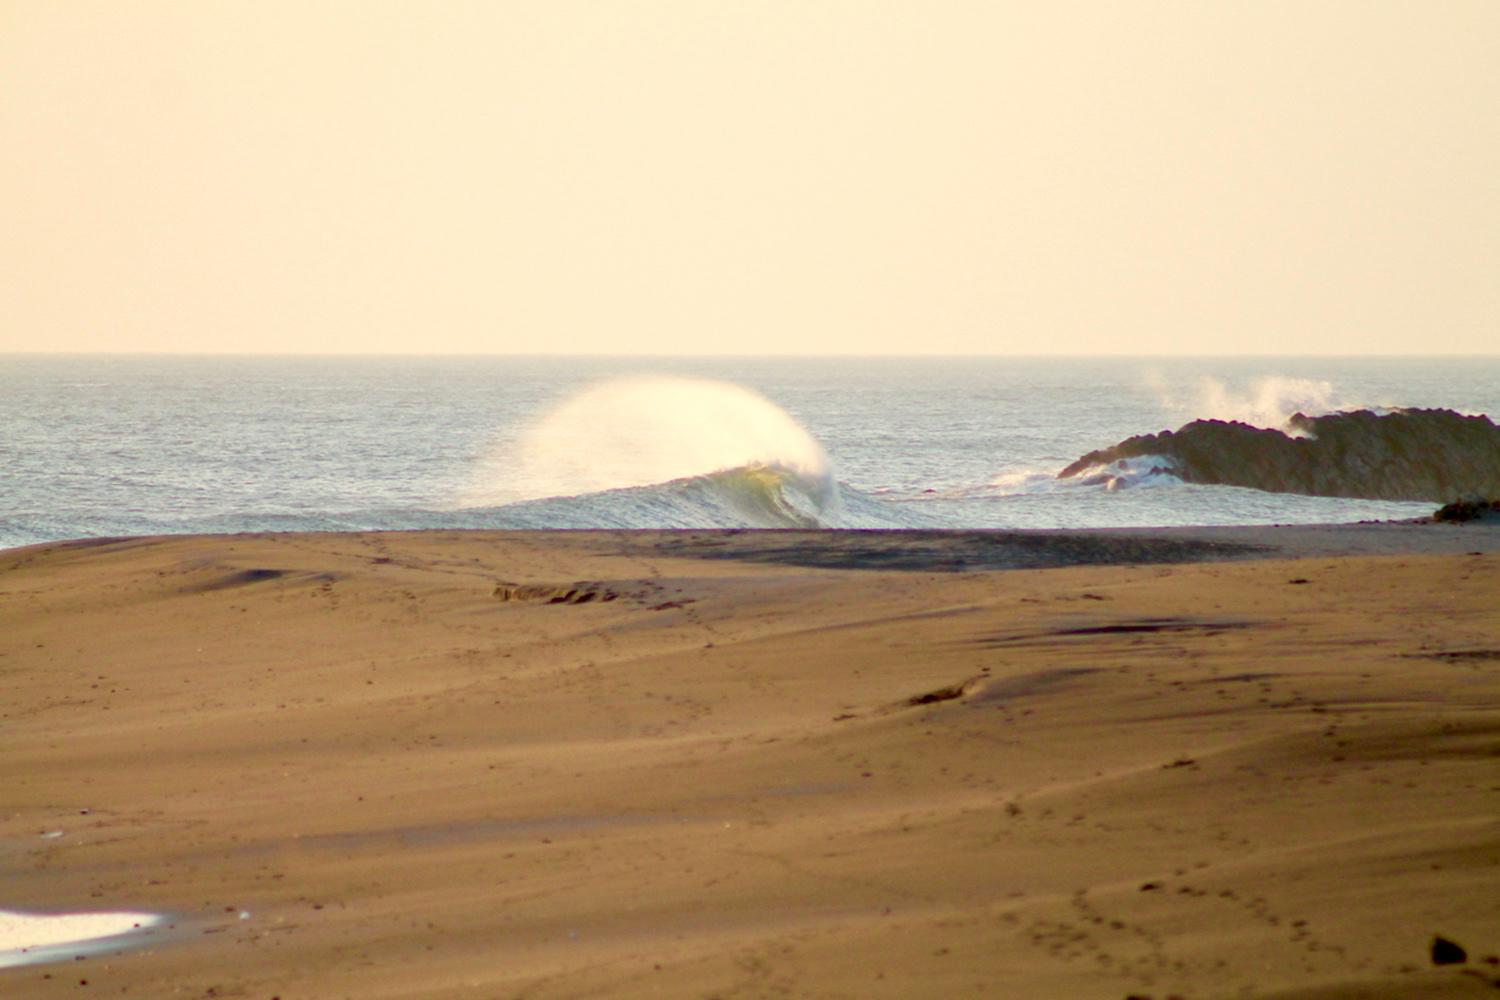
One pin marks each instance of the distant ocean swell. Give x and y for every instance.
(756, 496)
(695, 453)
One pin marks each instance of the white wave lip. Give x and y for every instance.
(24, 934)
(643, 431)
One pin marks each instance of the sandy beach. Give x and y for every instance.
(1190, 763)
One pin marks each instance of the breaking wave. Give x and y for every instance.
(644, 431)
(751, 496)
(666, 452)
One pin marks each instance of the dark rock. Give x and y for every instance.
(550, 593)
(1402, 455)
(1468, 509)
(947, 693)
(1445, 952)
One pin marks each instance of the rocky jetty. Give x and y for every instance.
(1436, 455)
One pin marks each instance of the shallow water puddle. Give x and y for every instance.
(32, 938)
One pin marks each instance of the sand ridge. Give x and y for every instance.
(739, 777)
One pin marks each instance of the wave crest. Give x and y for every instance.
(751, 496)
(641, 431)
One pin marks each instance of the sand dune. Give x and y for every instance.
(749, 764)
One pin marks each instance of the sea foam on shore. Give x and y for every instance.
(33, 937)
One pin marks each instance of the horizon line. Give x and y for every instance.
(1076, 356)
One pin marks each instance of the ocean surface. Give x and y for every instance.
(128, 445)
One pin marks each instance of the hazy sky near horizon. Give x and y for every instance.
(708, 176)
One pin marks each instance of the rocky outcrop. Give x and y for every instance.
(1466, 509)
(554, 593)
(1434, 455)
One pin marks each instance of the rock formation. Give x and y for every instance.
(1434, 455)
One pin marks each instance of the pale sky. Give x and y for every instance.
(710, 176)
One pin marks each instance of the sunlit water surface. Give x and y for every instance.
(98, 446)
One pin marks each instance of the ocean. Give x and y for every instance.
(142, 444)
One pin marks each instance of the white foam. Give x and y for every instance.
(1130, 473)
(646, 430)
(30, 937)
(1035, 479)
(1269, 401)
